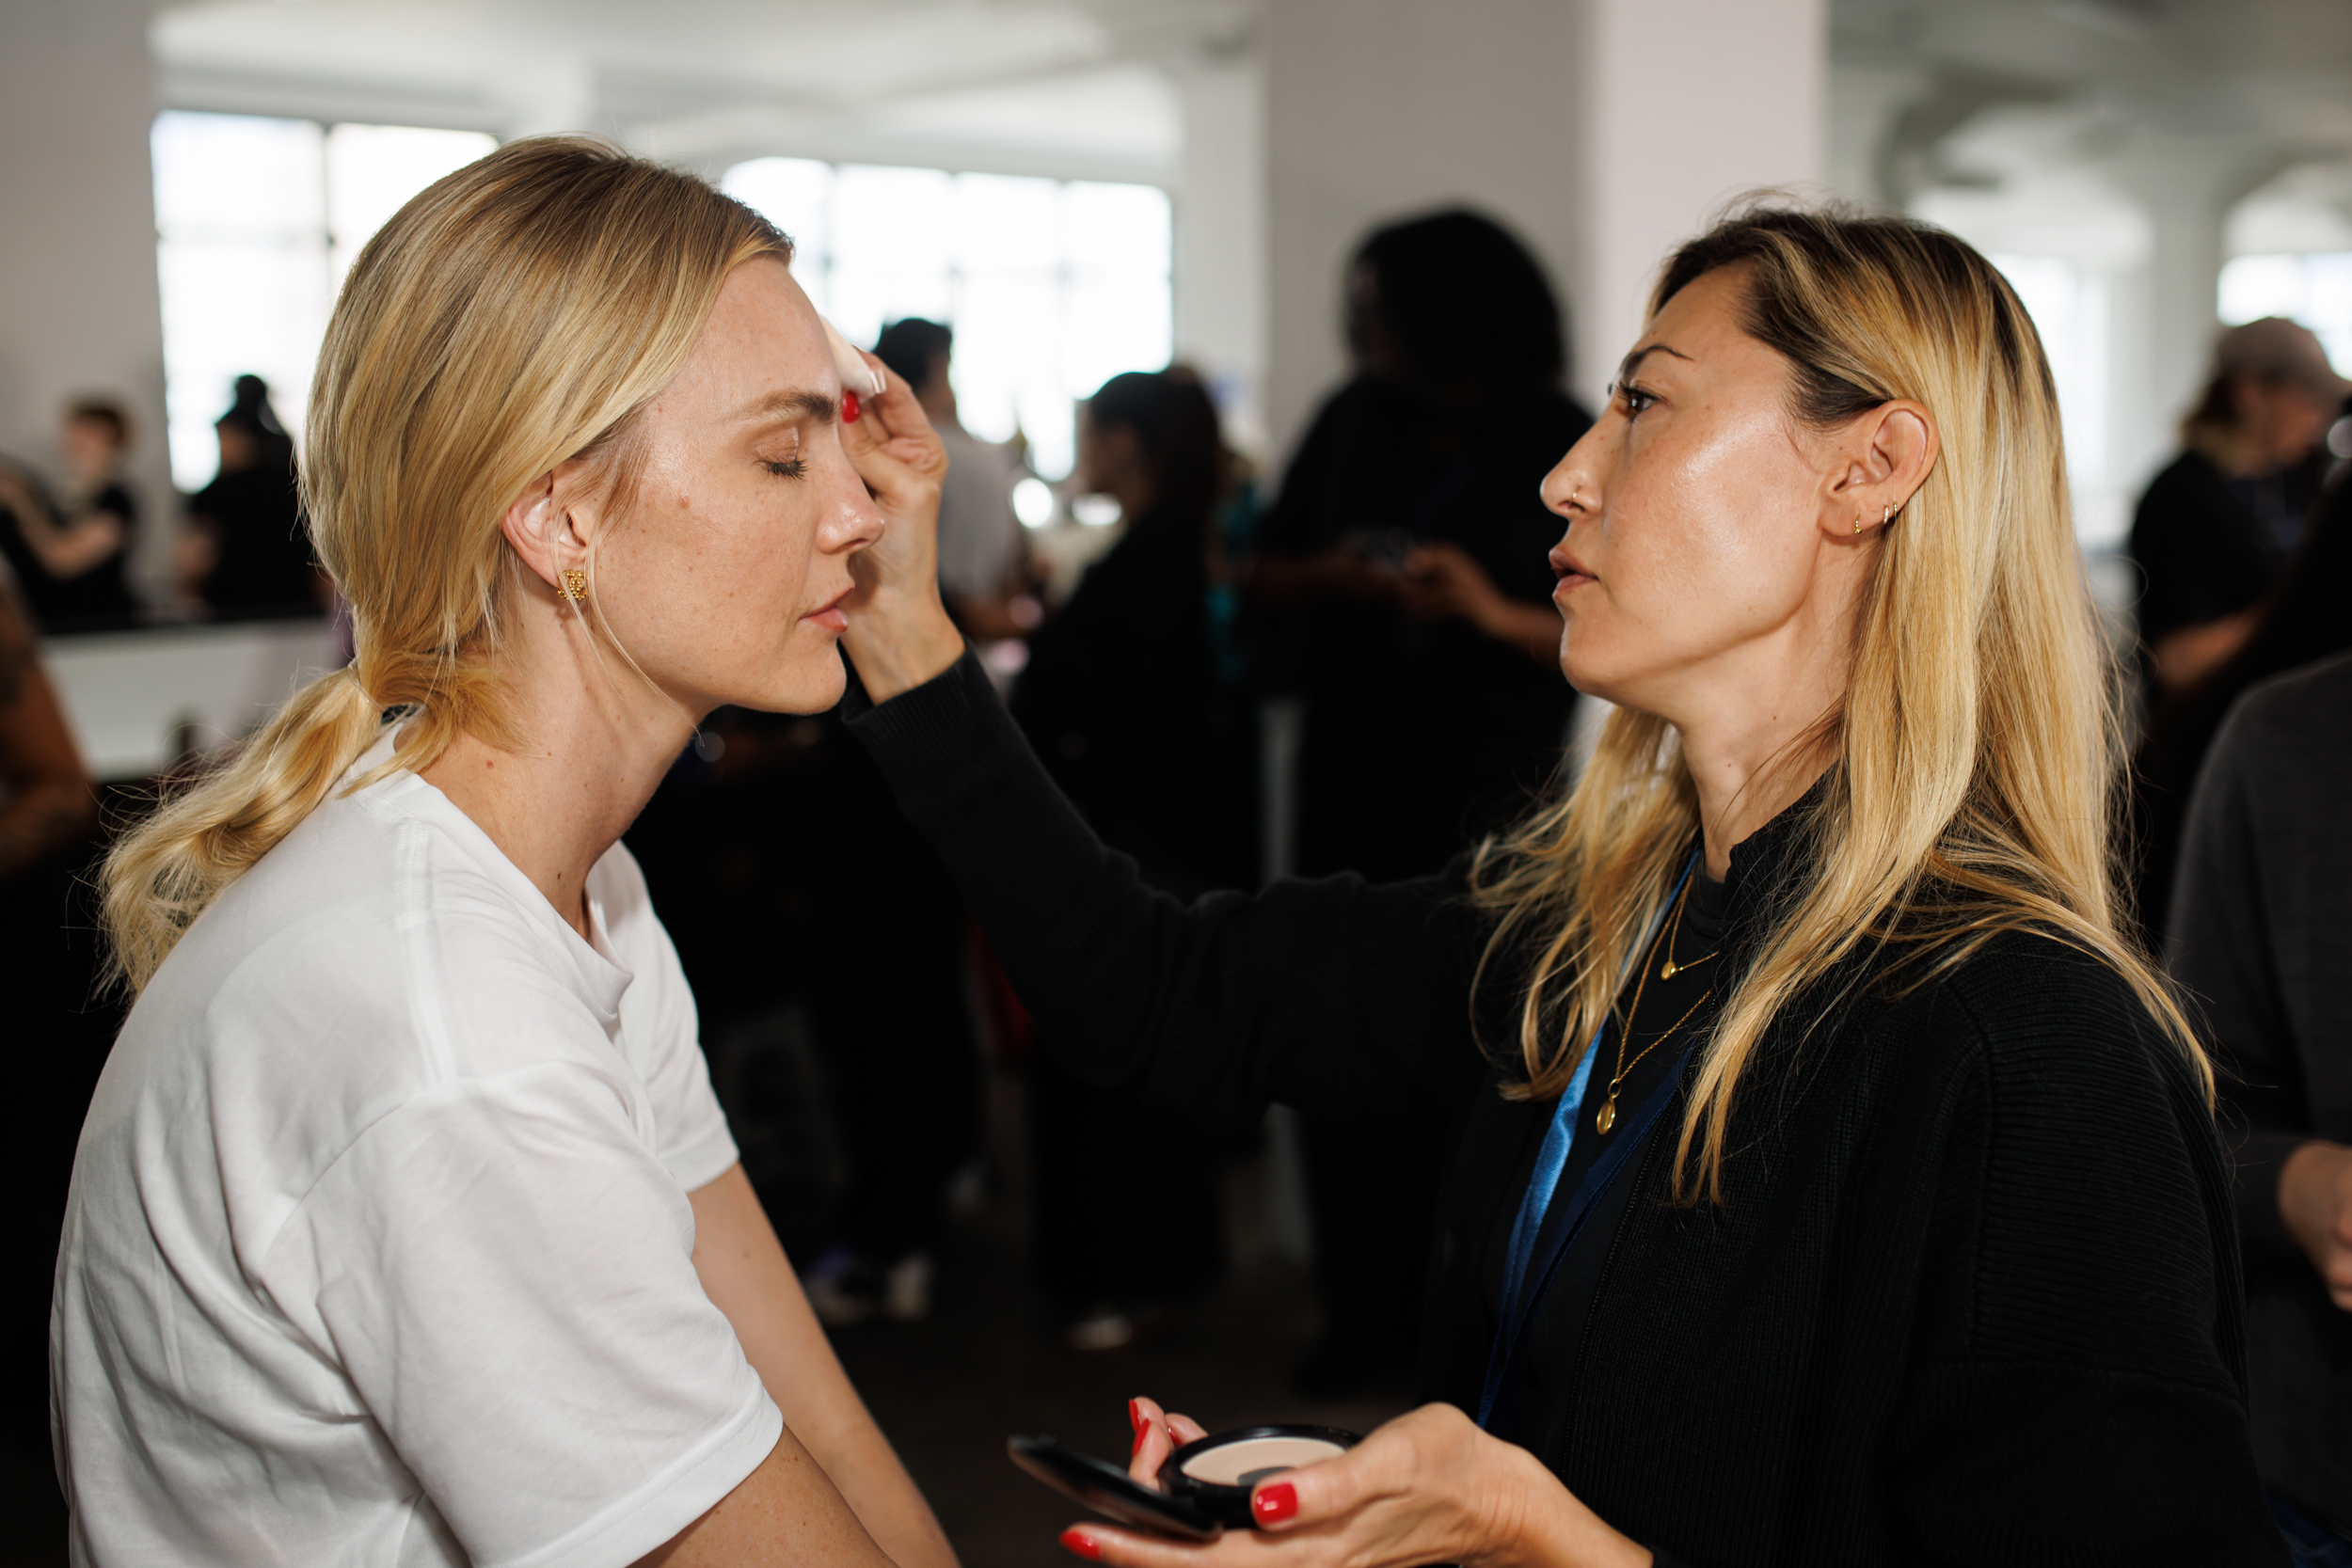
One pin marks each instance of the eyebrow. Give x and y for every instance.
(1632, 362)
(799, 403)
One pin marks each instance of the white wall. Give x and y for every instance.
(1685, 105)
(1220, 262)
(1379, 108)
(1603, 131)
(78, 311)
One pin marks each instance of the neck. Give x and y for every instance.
(1751, 735)
(1744, 783)
(596, 741)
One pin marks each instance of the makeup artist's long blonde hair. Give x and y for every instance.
(522, 311)
(1975, 756)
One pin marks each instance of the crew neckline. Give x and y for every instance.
(603, 978)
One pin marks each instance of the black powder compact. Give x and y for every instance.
(1216, 1473)
(1204, 1487)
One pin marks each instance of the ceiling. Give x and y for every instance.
(1085, 86)
(1953, 94)
(1972, 93)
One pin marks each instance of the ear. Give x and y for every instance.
(1883, 459)
(549, 524)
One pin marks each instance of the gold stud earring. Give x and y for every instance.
(575, 584)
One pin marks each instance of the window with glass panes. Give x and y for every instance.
(1052, 286)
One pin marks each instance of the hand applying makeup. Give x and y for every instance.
(900, 635)
(1427, 1487)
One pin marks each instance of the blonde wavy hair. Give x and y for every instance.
(1974, 757)
(517, 314)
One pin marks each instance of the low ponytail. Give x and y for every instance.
(517, 313)
(160, 875)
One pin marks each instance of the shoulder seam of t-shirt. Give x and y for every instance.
(449, 1088)
(399, 798)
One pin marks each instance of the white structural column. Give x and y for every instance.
(1603, 131)
(78, 304)
(2168, 315)
(1685, 106)
(1220, 262)
(1377, 109)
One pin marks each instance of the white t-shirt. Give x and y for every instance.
(379, 1249)
(979, 538)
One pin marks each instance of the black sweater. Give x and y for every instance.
(1973, 1297)
(2262, 933)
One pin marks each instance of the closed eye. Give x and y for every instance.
(792, 467)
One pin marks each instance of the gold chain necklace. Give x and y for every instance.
(1673, 935)
(1606, 1118)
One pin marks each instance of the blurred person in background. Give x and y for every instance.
(894, 1020)
(2304, 619)
(57, 1033)
(982, 548)
(1124, 700)
(247, 554)
(1400, 582)
(72, 559)
(2216, 527)
(2260, 933)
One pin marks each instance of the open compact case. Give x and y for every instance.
(1204, 1487)
(1216, 1473)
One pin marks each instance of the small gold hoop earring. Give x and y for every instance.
(1886, 515)
(575, 584)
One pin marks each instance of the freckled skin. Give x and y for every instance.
(707, 582)
(1712, 526)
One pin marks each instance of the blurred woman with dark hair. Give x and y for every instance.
(2303, 621)
(1124, 701)
(252, 559)
(1401, 590)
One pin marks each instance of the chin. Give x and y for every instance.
(809, 682)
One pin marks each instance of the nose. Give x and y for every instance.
(848, 520)
(1572, 488)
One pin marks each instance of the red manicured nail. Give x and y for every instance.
(1078, 1544)
(1274, 1502)
(849, 407)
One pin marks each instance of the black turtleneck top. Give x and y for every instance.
(1971, 1296)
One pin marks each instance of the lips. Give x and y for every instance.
(1572, 572)
(830, 614)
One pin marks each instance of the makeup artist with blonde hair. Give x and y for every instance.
(404, 1225)
(1831, 1182)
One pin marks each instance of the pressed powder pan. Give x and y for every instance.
(1216, 1473)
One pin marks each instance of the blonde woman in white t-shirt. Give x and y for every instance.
(404, 1226)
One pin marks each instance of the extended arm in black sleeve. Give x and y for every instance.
(1350, 998)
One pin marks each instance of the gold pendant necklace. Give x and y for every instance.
(1606, 1118)
(1670, 969)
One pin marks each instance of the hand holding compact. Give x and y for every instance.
(1427, 1487)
